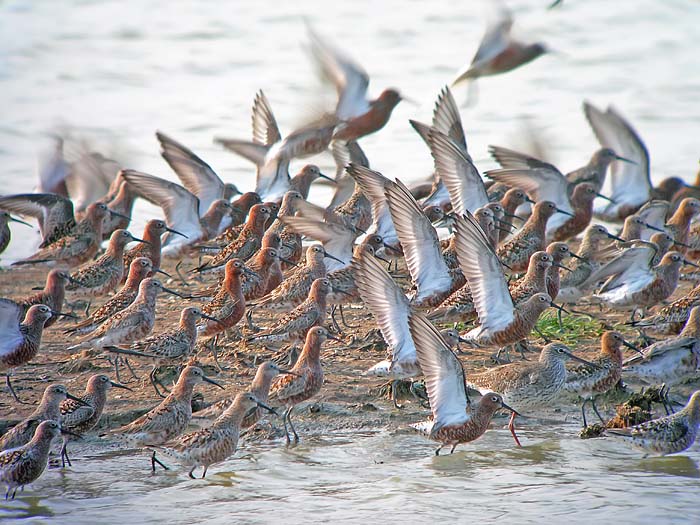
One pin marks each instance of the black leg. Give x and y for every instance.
(154, 380)
(12, 390)
(284, 421)
(453, 448)
(583, 412)
(64, 455)
(128, 365)
(595, 409)
(205, 471)
(291, 425)
(437, 451)
(394, 397)
(190, 473)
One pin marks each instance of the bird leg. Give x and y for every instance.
(394, 398)
(595, 409)
(128, 365)
(291, 425)
(559, 320)
(437, 452)
(583, 412)
(177, 271)
(342, 320)
(521, 346)
(336, 326)
(511, 427)
(155, 460)
(191, 471)
(87, 309)
(213, 342)
(284, 422)
(546, 339)
(453, 448)
(204, 472)
(115, 364)
(64, 455)
(155, 382)
(12, 390)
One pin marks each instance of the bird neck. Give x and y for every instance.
(681, 219)
(692, 325)
(310, 355)
(261, 385)
(232, 283)
(183, 391)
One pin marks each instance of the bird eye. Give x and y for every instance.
(494, 399)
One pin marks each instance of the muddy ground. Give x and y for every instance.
(348, 398)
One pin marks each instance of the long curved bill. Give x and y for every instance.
(67, 432)
(266, 407)
(212, 319)
(633, 347)
(77, 400)
(321, 175)
(559, 265)
(141, 240)
(326, 254)
(211, 381)
(581, 360)
(173, 292)
(559, 210)
(601, 196)
(119, 385)
(248, 270)
(652, 227)
(164, 273)
(572, 254)
(117, 214)
(689, 263)
(528, 199)
(61, 314)
(615, 237)
(559, 307)
(338, 290)
(287, 261)
(624, 159)
(12, 219)
(334, 338)
(510, 408)
(176, 232)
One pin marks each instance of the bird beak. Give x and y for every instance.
(559, 307)
(632, 347)
(141, 240)
(338, 290)
(176, 232)
(462, 339)
(287, 261)
(559, 265)
(581, 360)
(334, 338)
(248, 271)
(653, 228)
(382, 258)
(508, 267)
(12, 219)
(321, 175)
(513, 216)
(528, 199)
(211, 381)
(688, 263)
(358, 231)
(61, 314)
(510, 408)
(173, 292)
(205, 316)
(600, 195)
(326, 254)
(623, 159)
(387, 247)
(509, 224)
(267, 407)
(77, 400)
(67, 432)
(564, 212)
(572, 254)
(615, 237)
(115, 214)
(164, 273)
(679, 243)
(119, 385)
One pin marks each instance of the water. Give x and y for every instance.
(117, 71)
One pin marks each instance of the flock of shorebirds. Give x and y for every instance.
(499, 266)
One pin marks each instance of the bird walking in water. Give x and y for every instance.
(22, 465)
(589, 382)
(667, 435)
(169, 419)
(20, 339)
(213, 444)
(454, 420)
(304, 380)
(49, 408)
(528, 386)
(81, 416)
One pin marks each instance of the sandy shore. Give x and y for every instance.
(348, 398)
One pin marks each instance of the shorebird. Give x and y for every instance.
(48, 409)
(596, 168)
(173, 345)
(528, 386)
(589, 382)
(79, 417)
(196, 175)
(558, 251)
(358, 115)
(535, 280)
(51, 295)
(169, 419)
(531, 238)
(296, 324)
(666, 435)
(671, 360)
(139, 269)
(105, 273)
(130, 324)
(304, 380)
(343, 282)
(433, 279)
(203, 448)
(295, 288)
(636, 228)
(499, 52)
(53, 212)
(630, 182)
(77, 247)
(151, 245)
(501, 323)
(5, 233)
(260, 388)
(228, 305)
(586, 263)
(20, 340)
(641, 285)
(454, 420)
(240, 208)
(122, 204)
(671, 318)
(678, 226)
(336, 239)
(390, 308)
(22, 465)
(543, 181)
(245, 245)
(182, 210)
(301, 182)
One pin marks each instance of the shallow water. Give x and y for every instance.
(117, 71)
